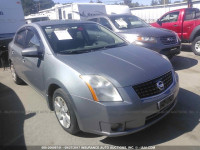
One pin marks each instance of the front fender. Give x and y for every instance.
(194, 33)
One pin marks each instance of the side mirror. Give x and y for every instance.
(159, 22)
(31, 52)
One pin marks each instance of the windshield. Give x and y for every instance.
(77, 38)
(128, 22)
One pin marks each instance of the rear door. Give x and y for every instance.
(189, 22)
(16, 49)
(33, 66)
(172, 21)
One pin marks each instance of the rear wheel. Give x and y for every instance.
(196, 46)
(15, 77)
(64, 111)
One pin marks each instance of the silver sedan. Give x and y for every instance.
(93, 80)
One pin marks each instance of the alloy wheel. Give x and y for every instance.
(62, 112)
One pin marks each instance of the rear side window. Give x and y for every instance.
(171, 17)
(94, 20)
(191, 14)
(105, 23)
(20, 38)
(32, 40)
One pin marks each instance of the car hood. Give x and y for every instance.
(123, 66)
(148, 32)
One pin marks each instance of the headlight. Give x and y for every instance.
(177, 37)
(130, 37)
(101, 89)
(146, 39)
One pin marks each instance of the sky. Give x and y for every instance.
(144, 2)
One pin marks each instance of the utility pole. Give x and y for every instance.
(189, 3)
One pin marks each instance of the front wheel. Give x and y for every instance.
(64, 111)
(196, 46)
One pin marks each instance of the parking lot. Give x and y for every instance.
(26, 120)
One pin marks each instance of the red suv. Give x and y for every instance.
(186, 23)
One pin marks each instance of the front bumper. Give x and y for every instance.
(168, 50)
(122, 118)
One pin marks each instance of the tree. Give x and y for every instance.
(32, 6)
(177, 1)
(162, 2)
(45, 4)
(128, 2)
(98, 1)
(28, 7)
(91, 1)
(154, 2)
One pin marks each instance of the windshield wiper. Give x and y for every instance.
(92, 50)
(116, 45)
(75, 52)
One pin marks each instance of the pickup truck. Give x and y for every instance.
(186, 23)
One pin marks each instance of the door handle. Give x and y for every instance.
(175, 25)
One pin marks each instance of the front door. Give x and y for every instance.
(34, 66)
(172, 21)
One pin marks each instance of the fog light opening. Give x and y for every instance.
(116, 127)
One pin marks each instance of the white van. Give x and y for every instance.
(80, 11)
(11, 18)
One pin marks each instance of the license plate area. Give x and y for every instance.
(165, 102)
(174, 49)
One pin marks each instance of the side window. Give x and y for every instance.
(105, 23)
(32, 39)
(190, 14)
(171, 17)
(95, 33)
(64, 15)
(94, 20)
(69, 16)
(20, 38)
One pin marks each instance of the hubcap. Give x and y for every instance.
(197, 46)
(14, 76)
(62, 112)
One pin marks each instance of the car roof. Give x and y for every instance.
(181, 9)
(105, 15)
(58, 22)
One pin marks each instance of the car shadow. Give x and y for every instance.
(184, 118)
(87, 135)
(181, 63)
(186, 48)
(12, 116)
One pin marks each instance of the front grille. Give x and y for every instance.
(150, 88)
(167, 40)
(159, 114)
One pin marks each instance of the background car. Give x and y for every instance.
(186, 23)
(93, 79)
(136, 31)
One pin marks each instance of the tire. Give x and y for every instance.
(64, 112)
(15, 77)
(196, 46)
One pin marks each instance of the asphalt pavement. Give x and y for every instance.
(26, 120)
